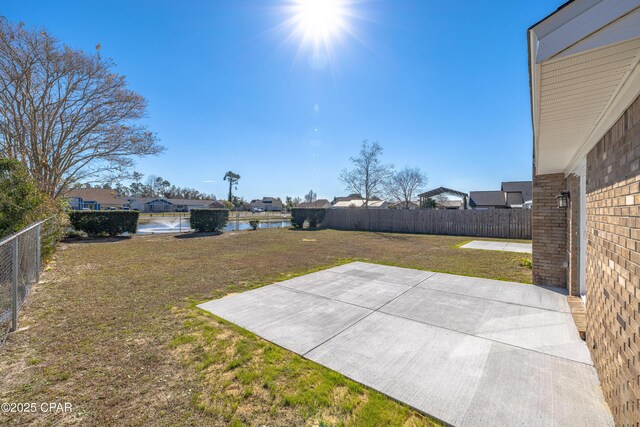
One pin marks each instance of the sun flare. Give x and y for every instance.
(319, 21)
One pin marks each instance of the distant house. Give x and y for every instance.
(450, 204)
(216, 205)
(163, 204)
(266, 204)
(403, 205)
(95, 199)
(488, 200)
(525, 188)
(359, 203)
(320, 203)
(512, 195)
(354, 196)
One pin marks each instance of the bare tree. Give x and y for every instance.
(369, 175)
(441, 200)
(65, 114)
(311, 196)
(405, 184)
(233, 179)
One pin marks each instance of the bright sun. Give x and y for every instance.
(319, 20)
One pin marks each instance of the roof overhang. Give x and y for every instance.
(584, 69)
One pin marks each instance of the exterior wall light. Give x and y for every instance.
(563, 200)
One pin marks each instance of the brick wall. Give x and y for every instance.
(613, 264)
(573, 236)
(549, 225)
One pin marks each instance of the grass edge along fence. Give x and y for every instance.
(496, 223)
(21, 258)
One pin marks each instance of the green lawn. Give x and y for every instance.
(114, 330)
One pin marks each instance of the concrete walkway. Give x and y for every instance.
(465, 350)
(498, 246)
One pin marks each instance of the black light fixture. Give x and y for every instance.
(563, 199)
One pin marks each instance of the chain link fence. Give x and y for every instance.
(21, 256)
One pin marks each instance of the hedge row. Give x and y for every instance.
(315, 216)
(209, 220)
(104, 223)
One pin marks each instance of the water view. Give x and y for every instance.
(182, 225)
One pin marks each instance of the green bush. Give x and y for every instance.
(254, 223)
(298, 217)
(20, 199)
(315, 216)
(104, 223)
(209, 220)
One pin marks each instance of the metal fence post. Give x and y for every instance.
(38, 251)
(15, 267)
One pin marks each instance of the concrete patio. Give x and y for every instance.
(499, 246)
(465, 350)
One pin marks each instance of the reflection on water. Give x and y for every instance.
(177, 225)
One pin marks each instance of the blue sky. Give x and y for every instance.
(442, 86)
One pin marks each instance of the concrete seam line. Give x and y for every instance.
(502, 302)
(379, 309)
(364, 317)
(484, 338)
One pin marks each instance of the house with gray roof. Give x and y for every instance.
(266, 204)
(512, 195)
(95, 199)
(163, 204)
(525, 190)
(320, 203)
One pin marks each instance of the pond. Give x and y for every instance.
(177, 225)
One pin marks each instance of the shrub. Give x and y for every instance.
(298, 217)
(20, 199)
(254, 223)
(315, 216)
(104, 223)
(208, 220)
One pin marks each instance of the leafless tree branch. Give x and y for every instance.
(405, 184)
(65, 114)
(369, 175)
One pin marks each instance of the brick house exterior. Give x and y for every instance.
(548, 231)
(613, 263)
(585, 91)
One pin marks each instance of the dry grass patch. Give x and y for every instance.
(114, 330)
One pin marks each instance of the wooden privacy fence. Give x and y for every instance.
(504, 223)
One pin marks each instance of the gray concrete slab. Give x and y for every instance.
(368, 293)
(482, 244)
(466, 350)
(297, 321)
(462, 379)
(499, 246)
(519, 247)
(545, 331)
(397, 275)
(549, 298)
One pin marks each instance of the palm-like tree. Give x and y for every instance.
(233, 179)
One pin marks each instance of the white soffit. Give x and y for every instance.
(580, 90)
